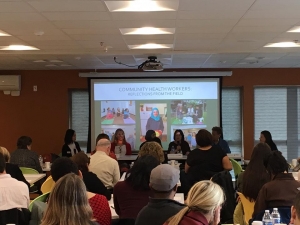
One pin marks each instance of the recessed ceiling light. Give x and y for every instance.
(18, 48)
(283, 45)
(51, 65)
(142, 6)
(65, 65)
(150, 46)
(40, 61)
(55, 61)
(2, 33)
(295, 30)
(146, 31)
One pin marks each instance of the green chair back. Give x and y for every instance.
(41, 198)
(237, 168)
(26, 170)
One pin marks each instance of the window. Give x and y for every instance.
(232, 118)
(277, 110)
(79, 115)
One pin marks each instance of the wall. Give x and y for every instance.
(43, 115)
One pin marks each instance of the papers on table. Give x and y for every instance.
(32, 178)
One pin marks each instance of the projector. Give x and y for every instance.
(151, 65)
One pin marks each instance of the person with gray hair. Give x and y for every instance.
(106, 168)
(163, 183)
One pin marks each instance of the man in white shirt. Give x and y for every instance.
(13, 193)
(105, 167)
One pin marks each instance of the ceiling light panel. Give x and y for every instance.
(146, 31)
(151, 46)
(283, 45)
(18, 48)
(141, 6)
(3, 34)
(295, 30)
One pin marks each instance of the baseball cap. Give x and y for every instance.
(164, 177)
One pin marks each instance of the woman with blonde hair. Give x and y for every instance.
(154, 149)
(203, 205)
(68, 203)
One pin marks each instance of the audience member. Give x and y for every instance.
(24, 157)
(208, 159)
(150, 135)
(179, 144)
(119, 144)
(68, 203)
(251, 181)
(131, 195)
(154, 149)
(295, 211)
(281, 190)
(217, 137)
(13, 193)
(71, 147)
(91, 181)
(163, 183)
(266, 137)
(106, 168)
(12, 169)
(203, 205)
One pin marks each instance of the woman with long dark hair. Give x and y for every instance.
(179, 144)
(71, 147)
(131, 195)
(266, 137)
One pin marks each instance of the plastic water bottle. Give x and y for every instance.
(41, 160)
(275, 216)
(267, 218)
(173, 150)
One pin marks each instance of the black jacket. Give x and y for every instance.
(15, 172)
(66, 151)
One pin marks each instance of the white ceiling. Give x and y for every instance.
(209, 34)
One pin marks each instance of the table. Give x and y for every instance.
(178, 197)
(127, 158)
(32, 178)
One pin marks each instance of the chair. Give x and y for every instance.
(237, 168)
(247, 206)
(26, 170)
(41, 198)
(15, 216)
(47, 185)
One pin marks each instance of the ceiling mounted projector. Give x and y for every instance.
(151, 65)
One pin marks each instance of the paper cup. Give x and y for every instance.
(294, 162)
(257, 223)
(47, 165)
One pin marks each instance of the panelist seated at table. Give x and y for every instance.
(151, 136)
(162, 206)
(179, 145)
(281, 190)
(99, 204)
(24, 156)
(119, 144)
(206, 161)
(71, 147)
(12, 169)
(217, 134)
(132, 194)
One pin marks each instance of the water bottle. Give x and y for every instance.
(275, 216)
(267, 218)
(41, 160)
(173, 150)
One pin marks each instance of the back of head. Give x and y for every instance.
(256, 175)
(296, 207)
(5, 154)
(23, 142)
(68, 136)
(2, 163)
(164, 178)
(63, 166)
(68, 203)
(277, 163)
(203, 138)
(154, 149)
(82, 161)
(218, 130)
(268, 138)
(150, 134)
(102, 136)
(139, 174)
(204, 197)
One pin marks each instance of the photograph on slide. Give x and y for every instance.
(117, 112)
(129, 131)
(154, 117)
(188, 112)
(189, 132)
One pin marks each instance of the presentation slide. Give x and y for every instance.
(162, 105)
